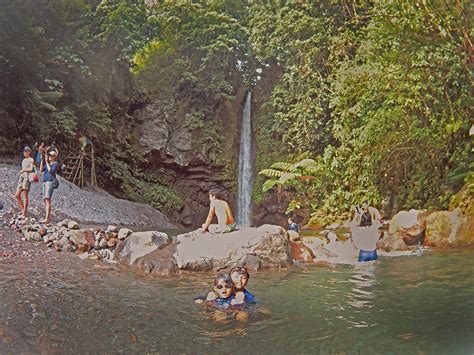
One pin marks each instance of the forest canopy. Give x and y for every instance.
(373, 99)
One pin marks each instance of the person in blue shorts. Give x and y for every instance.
(368, 218)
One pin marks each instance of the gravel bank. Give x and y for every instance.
(69, 201)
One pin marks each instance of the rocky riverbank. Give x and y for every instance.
(69, 201)
(156, 252)
(268, 246)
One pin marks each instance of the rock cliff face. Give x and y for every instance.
(159, 132)
(172, 145)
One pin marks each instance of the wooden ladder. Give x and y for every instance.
(74, 171)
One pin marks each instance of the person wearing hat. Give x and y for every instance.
(24, 183)
(49, 167)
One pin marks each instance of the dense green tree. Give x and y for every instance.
(377, 94)
(399, 88)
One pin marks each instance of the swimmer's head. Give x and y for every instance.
(239, 276)
(223, 286)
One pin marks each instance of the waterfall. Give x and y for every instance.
(244, 198)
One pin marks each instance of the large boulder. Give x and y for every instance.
(139, 244)
(263, 247)
(158, 262)
(449, 228)
(392, 242)
(409, 226)
(301, 252)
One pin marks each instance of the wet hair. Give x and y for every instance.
(223, 277)
(240, 270)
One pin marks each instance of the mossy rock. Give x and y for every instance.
(449, 228)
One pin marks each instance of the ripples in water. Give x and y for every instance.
(401, 305)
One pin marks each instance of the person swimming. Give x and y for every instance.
(240, 277)
(223, 292)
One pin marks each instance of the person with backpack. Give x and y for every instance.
(49, 167)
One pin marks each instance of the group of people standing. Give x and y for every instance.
(44, 163)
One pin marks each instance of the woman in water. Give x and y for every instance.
(220, 208)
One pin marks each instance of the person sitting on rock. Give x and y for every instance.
(292, 225)
(240, 278)
(220, 208)
(24, 183)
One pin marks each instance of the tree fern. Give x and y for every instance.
(271, 173)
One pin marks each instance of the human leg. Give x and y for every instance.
(47, 202)
(47, 190)
(20, 202)
(25, 208)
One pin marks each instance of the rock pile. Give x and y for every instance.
(67, 235)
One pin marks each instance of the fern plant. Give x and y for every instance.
(283, 173)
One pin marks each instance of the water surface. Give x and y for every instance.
(415, 304)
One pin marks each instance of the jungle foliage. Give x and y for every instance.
(379, 94)
(366, 99)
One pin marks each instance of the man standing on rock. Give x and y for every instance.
(50, 182)
(24, 183)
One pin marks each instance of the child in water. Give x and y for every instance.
(240, 278)
(223, 293)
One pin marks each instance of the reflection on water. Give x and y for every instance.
(363, 280)
(399, 305)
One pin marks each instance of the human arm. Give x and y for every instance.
(211, 296)
(206, 224)
(357, 214)
(41, 169)
(239, 298)
(230, 217)
(375, 214)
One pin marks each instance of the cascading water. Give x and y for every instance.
(244, 198)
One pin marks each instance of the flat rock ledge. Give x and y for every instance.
(255, 248)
